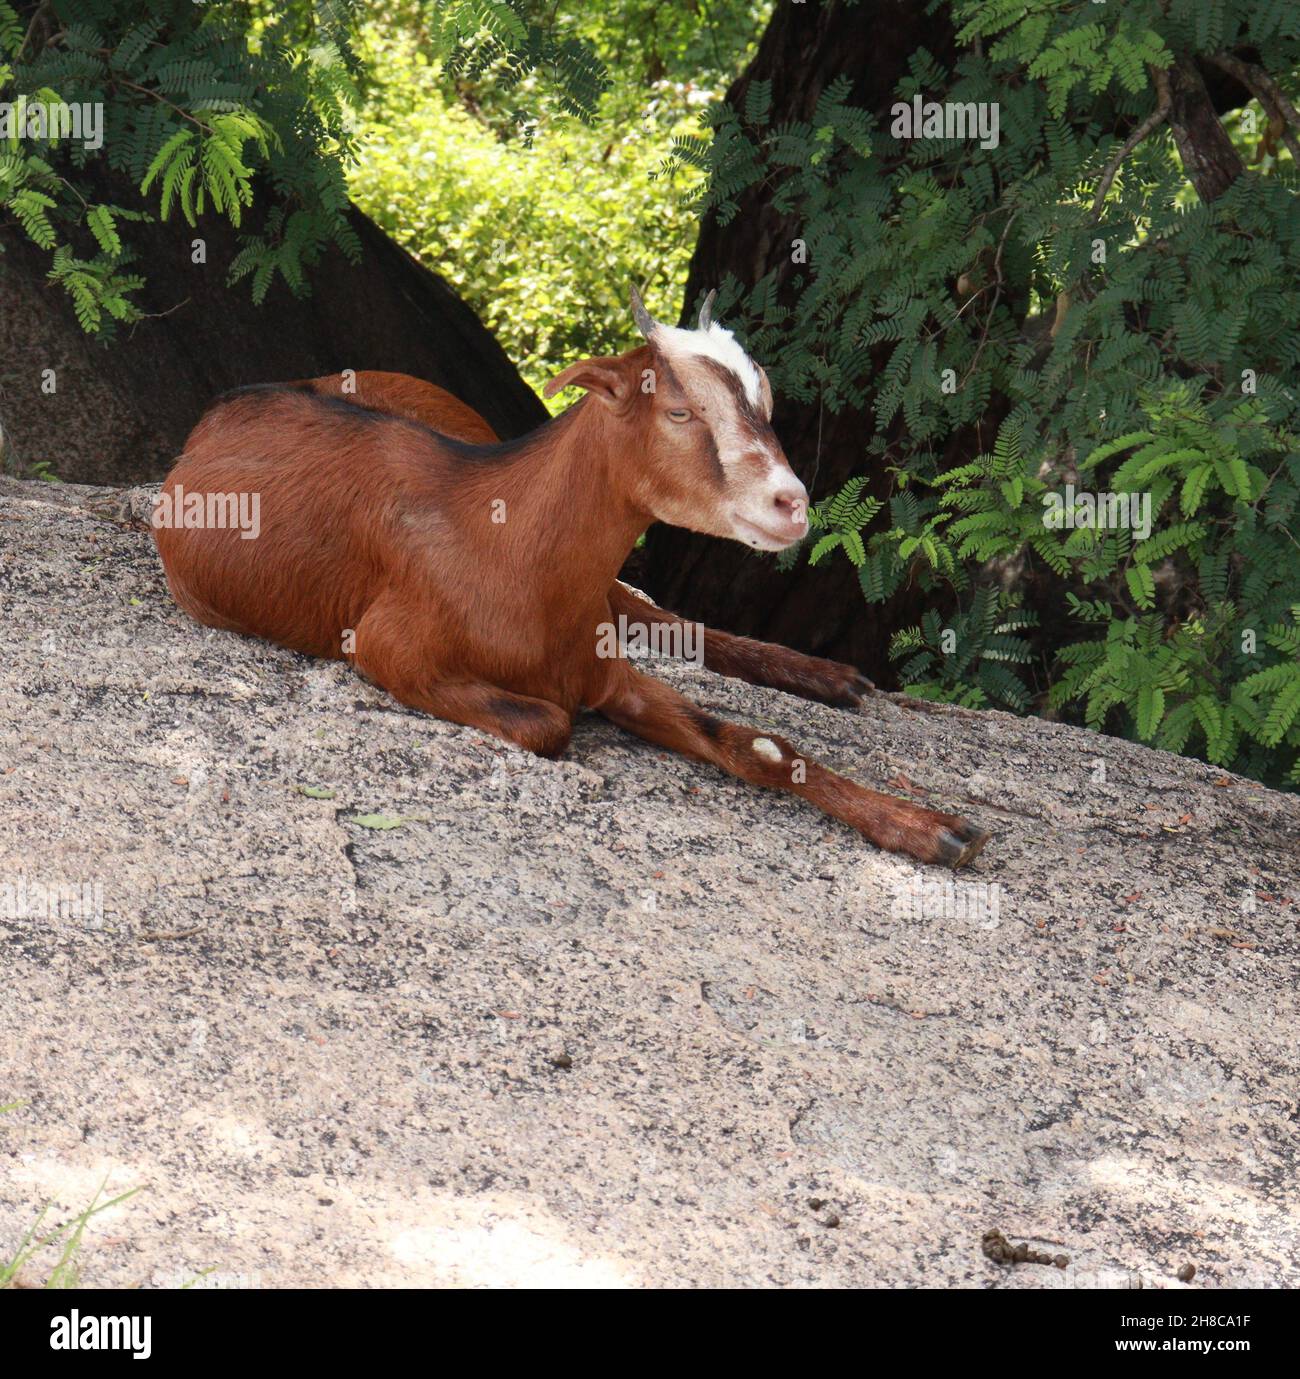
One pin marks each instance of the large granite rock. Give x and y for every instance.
(614, 1019)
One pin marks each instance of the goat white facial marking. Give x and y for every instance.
(717, 344)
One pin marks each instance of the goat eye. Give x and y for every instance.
(680, 414)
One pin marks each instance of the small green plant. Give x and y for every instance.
(65, 1239)
(969, 661)
(43, 470)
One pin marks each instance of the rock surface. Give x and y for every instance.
(615, 1019)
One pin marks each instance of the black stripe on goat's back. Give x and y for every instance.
(505, 452)
(463, 452)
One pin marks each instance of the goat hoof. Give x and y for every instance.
(960, 845)
(843, 688)
(859, 687)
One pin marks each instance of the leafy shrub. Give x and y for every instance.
(194, 109)
(1121, 336)
(209, 107)
(542, 230)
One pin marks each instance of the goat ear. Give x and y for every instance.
(764, 392)
(605, 379)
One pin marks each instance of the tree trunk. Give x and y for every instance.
(120, 413)
(1210, 161)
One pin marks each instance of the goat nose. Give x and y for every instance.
(792, 504)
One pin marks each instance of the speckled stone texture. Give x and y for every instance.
(617, 1019)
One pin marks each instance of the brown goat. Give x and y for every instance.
(472, 579)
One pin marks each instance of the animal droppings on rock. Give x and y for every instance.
(1001, 1251)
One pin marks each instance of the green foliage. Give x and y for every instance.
(501, 37)
(1195, 653)
(207, 109)
(969, 662)
(541, 227)
(1145, 346)
(841, 520)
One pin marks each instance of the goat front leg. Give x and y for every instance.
(758, 663)
(386, 655)
(536, 725)
(656, 712)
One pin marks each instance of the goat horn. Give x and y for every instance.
(645, 323)
(706, 311)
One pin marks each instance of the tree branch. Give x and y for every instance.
(1157, 117)
(37, 14)
(1267, 92)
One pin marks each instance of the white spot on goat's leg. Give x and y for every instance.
(766, 748)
